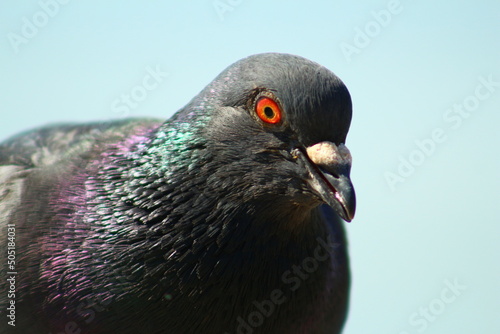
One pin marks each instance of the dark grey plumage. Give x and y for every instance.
(189, 226)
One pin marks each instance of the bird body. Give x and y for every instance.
(210, 222)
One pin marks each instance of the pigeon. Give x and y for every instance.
(226, 218)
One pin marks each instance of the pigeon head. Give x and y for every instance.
(276, 126)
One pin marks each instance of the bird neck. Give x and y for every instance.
(190, 232)
(176, 172)
(174, 187)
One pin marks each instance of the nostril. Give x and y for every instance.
(330, 158)
(324, 153)
(332, 171)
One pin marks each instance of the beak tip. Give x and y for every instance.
(349, 209)
(344, 199)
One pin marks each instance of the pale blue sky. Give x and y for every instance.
(437, 225)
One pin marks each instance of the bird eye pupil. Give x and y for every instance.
(269, 112)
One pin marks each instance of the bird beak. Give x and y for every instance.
(329, 167)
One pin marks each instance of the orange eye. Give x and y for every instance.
(268, 110)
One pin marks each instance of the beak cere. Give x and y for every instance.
(329, 167)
